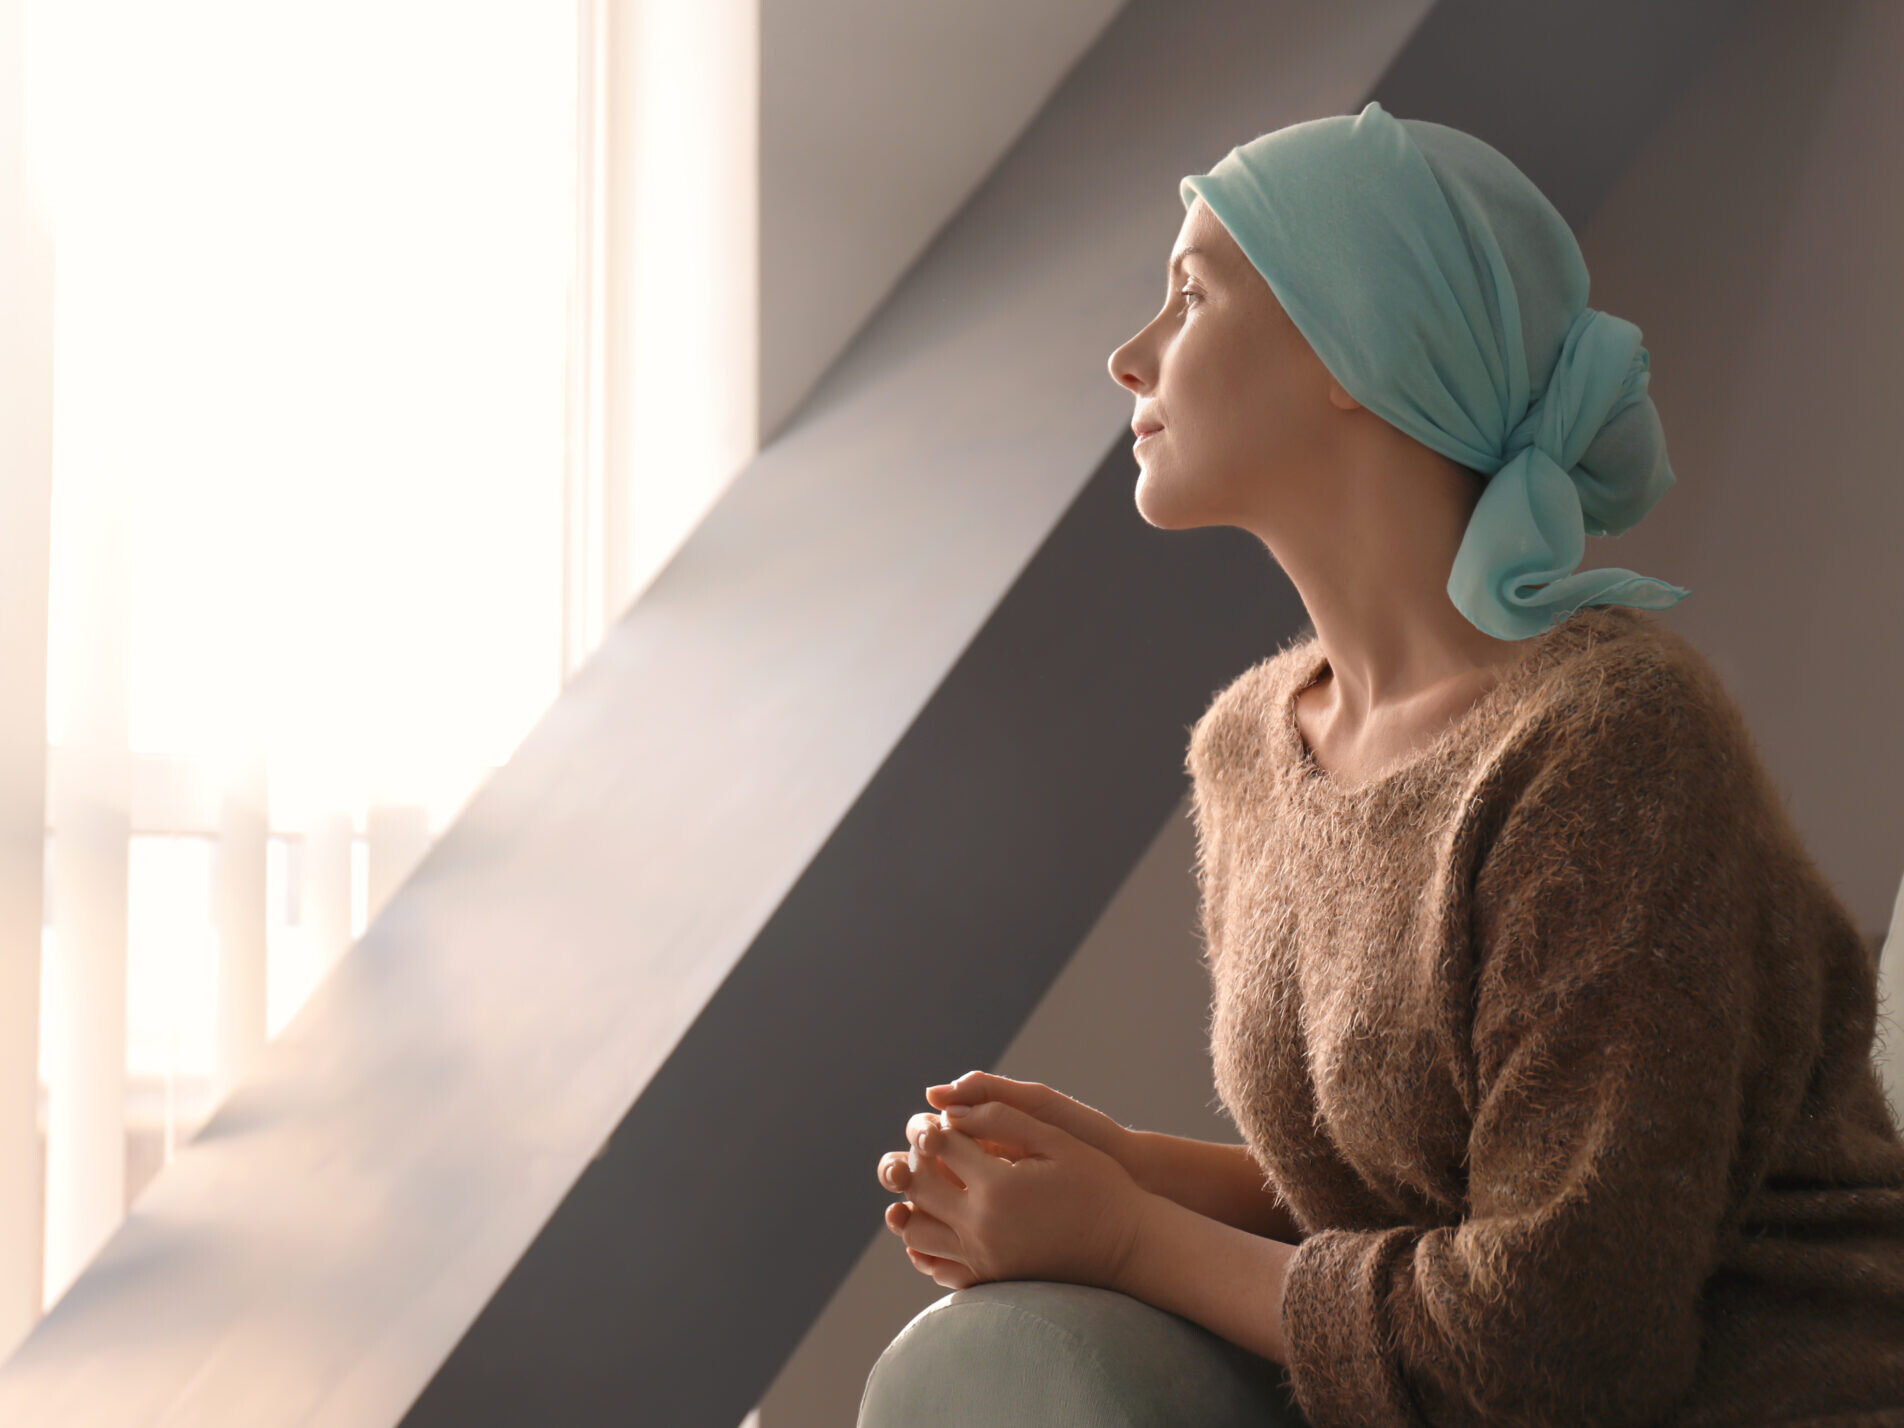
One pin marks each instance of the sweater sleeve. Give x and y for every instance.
(1613, 923)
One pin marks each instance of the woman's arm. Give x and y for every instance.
(1222, 1182)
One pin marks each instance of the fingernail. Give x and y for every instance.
(912, 1161)
(956, 1111)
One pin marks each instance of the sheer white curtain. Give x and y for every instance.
(309, 358)
(345, 320)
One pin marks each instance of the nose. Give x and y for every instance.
(1123, 367)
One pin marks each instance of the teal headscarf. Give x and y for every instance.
(1448, 296)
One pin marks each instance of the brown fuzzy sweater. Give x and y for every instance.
(1557, 1045)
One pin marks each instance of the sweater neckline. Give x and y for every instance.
(1566, 635)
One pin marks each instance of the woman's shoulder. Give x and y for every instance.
(1232, 729)
(1631, 715)
(1624, 680)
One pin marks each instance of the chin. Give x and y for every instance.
(1160, 510)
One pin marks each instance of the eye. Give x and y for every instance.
(1187, 294)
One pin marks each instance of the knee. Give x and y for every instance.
(1003, 1353)
(1015, 1352)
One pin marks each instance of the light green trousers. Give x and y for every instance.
(1025, 1353)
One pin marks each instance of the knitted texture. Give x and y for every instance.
(1558, 1045)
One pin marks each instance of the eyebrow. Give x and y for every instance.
(1176, 261)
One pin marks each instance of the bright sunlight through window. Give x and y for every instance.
(310, 328)
(311, 306)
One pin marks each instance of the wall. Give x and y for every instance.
(876, 122)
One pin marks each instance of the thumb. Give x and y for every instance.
(1035, 1098)
(1018, 1132)
(976, 1086)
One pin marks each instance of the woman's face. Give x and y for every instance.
(1241, 399)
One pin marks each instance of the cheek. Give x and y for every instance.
(1229, 413)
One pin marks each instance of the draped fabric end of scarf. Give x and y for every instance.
(1438, 285)
(1511, 574)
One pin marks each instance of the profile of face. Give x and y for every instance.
(1236, 417)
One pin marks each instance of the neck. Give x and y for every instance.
(1371, 564)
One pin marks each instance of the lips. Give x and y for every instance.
(1144, 429)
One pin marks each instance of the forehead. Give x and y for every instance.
(1202, 238)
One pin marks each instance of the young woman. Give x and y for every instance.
(1550, 1045)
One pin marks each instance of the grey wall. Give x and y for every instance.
(877, 120)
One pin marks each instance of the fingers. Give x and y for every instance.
(947, 1273)
(916, 1128)
(963, 1161)
(893, 1170)
(963, 1157)
(966, 1088)
(990, 1123)
(924, 1232)
(936, 1188)
(897, 1214)
(896, 1173)
(896, 1170)
(972, 1086)
(919, 1123)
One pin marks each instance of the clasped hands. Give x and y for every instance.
(1013, 1180)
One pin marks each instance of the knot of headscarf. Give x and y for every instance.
(1529, 529)
(1448, 296)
